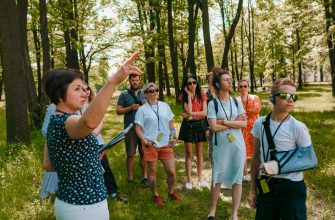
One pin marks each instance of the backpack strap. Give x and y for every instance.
(131, 93)
(216, 112)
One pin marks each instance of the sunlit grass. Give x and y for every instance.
(21, 173)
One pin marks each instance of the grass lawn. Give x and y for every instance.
(21, 173)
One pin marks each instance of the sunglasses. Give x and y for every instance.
(86, 90)
(287, 96)
(244, 86)
(193, 82)
(153, 90)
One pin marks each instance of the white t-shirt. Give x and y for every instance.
(146, 117)
(291, 133)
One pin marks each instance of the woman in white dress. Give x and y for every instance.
(226, 118)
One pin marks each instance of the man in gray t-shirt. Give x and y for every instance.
(127, 105)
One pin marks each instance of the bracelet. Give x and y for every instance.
(94, 134)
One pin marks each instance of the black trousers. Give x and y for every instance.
(286, 201)
(109, 178)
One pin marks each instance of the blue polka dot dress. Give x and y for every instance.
(77, 164)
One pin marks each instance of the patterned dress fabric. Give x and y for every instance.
(252, 107)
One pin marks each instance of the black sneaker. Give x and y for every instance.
(146, 182)
(121, 199)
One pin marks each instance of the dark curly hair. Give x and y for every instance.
(197, 89)
(56, 82)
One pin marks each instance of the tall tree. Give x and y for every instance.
(173, 50)
(191, 36)
(33, 107)
(43, 98)
(14, 73)
(207, 35)
(330, 20)
(70, 33)
(147, 32)
(224, 62)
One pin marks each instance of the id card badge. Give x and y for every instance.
(159, 137)
(231, 137)
(264, 186)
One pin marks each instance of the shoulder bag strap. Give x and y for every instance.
(269, 137)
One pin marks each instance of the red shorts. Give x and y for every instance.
(153, 154)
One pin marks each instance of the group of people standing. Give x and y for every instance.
(226, 122)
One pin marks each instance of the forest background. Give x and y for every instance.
(257, 40)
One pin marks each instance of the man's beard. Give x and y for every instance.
(132, 88)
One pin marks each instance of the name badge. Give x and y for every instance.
(231, 137)
(264, 186)
(159, 137)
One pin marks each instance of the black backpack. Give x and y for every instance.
(216, 112)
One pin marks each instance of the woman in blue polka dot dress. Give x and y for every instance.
(72, 149)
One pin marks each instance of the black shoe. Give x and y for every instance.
(210, 217)
(146, 182)
(130, 181)
(121, 199)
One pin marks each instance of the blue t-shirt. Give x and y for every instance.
(126, 100)
(77, 164)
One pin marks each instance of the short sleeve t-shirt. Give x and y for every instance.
(291, 133)
(146, 117)
(126, 100)
(77, 164)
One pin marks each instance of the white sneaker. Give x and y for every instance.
(189, 186)
(247, 177)
(202, 184)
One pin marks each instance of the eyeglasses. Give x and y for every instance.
(193, 82)
(153, 90)
(86, 90)
(244, 86)
(287, 96)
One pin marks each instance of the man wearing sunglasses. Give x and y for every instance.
(127, 105)
(280, 196)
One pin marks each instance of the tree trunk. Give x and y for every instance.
(15, 75)
(1, 73)
(224, 62)
(33, 107)
(299, 60)
(242, 47)
(43, 98)
(191, 37)
(232, 67)
(207, 36)
(183, 61)
(330, 16)
(52, 51)
(293, 63)
(149, 46)
(250, 47)
(235, 61)
(160, 48)
(321, 72)
(37, 45)
(173, 51)
(68, 29)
